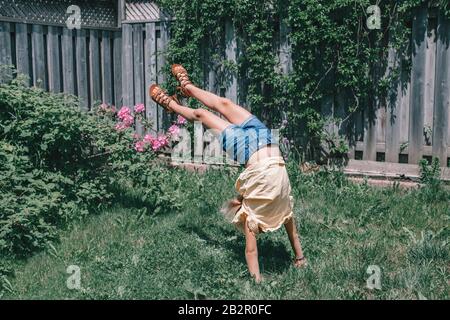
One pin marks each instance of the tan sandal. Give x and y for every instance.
(161, 97)
(183, 78)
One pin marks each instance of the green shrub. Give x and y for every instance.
(58, 164)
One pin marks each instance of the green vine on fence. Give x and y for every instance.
(335, 54)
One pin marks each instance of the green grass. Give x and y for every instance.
(194, 253)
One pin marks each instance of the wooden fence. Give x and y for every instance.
(117, 66)
(110, 66)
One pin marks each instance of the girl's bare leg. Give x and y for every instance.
(291, 230)
(251, 253)
(206, 117)
(233, 112)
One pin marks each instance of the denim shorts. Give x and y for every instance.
(241, 141)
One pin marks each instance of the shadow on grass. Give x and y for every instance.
(273, 256)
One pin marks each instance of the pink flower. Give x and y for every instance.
(139, 108)
(148, 138)
(174, 130)
(160, 142)
(156, 145)
(139, 146)
(121, 126)
(135, 136)
(164, 140)
(128, 120)
(104, 107)
(181, 120)
(124, 112)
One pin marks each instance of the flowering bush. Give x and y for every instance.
(149, 142)
(58, 164)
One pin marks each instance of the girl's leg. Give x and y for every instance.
(291, 230)
(233, 112)
(251, 253)
(206, 117)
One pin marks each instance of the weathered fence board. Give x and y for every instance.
(392, 110)
(22, 49)
(68, 69)
(231, 55)
(442, 99)
(117, 55)
(161, 44)
(82, 68)
(127, 65)
(54, 64)
(138, 59)
(107, 69)
(39, 58)
(150, 72)
(94, 67)
(419, 34)
(5, 49)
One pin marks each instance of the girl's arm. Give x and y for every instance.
(251, 253)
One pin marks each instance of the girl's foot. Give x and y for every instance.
(300, 262)
(161, 97)
(183, 78)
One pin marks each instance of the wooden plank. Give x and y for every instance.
(22, 50)
(127, 66)
(117, 78)
(95, 89)
(370, 136)
(138, 49)
(5, 51)
(107, 68)
(442, 92)
(419, 36)
(150, 73)
(393, 105)
(82, 69)
(285, 55)
(68, 70)
(231, 55)
(38, 56)
(54, 64)
(161, 45)
(430, 75)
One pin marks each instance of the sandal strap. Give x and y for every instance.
(299, 259)
(162, 98)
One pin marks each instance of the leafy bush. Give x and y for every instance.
(430, 177)
(58, 164)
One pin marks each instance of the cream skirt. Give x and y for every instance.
(267, 202)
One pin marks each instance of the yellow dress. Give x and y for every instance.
(266, 190)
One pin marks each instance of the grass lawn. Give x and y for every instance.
(194, 253)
